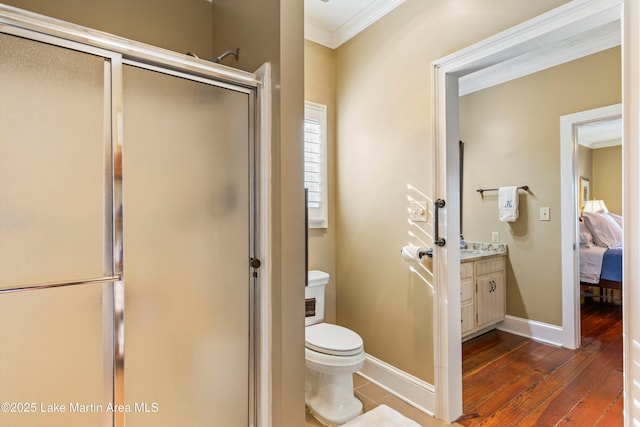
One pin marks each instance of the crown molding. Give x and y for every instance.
(318, 35)
(601, 144)
(352, 27)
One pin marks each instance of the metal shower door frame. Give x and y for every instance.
(117, 52)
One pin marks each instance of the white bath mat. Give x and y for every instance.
(382, 416)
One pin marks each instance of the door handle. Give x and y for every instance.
(255, 263)
(439, 204)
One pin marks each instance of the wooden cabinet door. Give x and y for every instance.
(467, 312)
(490, 299)
(467, 319)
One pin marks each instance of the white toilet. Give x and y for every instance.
(332, 354)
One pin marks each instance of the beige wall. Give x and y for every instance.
(585, 163)
(383, 95)
(320, 87)
(512, 137)
(180, 26)
(607, 177)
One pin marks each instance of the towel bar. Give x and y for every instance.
(482, 190)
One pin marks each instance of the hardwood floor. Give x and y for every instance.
(513, 381)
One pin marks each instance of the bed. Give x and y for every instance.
(601, 251)
(601, 267)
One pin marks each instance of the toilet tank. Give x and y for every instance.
(314, 297)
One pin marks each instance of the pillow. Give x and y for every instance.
(605, 230)
(586, 239)
(616, 218)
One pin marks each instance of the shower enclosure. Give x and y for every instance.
(127, 224)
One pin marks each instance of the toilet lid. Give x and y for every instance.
(332, 339)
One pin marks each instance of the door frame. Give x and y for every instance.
(569, 19)
(569, 213)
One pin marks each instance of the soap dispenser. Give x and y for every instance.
(463, 244)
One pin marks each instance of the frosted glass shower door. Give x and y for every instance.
(187, 220)
(55, 229)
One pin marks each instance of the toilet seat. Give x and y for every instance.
(333, 340)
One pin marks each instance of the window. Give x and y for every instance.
(315, 163)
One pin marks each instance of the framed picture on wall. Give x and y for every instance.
(585, 191)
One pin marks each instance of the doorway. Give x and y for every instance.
(575, 181)
(447, 72)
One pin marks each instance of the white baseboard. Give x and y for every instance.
(544, 332)
(420, 394)
(416, 392)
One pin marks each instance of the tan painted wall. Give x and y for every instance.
(384, 143)
(512, 137)
(272, 30)
(585, 163)
(319, 86)
(607, 177)
(176, 25)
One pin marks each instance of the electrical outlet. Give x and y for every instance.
(544, 214)
(495, 237)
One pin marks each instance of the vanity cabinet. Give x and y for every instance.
(482, 293)
(467, 289)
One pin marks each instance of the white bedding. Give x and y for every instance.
(591, 263)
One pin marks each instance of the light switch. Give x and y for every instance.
(544, 214)
(418, 211)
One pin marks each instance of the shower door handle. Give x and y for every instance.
(439, 204)
(52, 285)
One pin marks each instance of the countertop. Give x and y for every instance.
(476, 250)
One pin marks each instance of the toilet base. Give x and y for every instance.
(342, 417)
(330, 398)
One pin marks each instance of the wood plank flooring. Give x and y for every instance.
(513, 381)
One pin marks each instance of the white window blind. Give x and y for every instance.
(315, 163)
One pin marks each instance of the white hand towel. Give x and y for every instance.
(508, 204)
